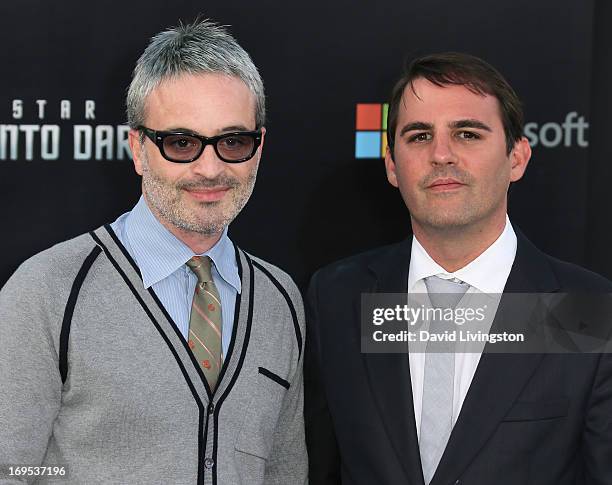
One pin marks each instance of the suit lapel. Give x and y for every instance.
(499, 378)
(389, 374)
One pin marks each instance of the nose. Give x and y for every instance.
(208, 165)
(442, 151)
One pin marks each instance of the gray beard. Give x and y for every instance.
(166, 201)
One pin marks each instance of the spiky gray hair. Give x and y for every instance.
(200, 47)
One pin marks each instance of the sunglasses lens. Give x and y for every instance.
(181, 147)
(236, 147)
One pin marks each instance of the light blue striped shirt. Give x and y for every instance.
(161, 258)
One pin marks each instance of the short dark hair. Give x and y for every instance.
(465, 70)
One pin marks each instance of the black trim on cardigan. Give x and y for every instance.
(201, 409)
(247, 336)
(202, 451)
(69, 311)
(230, 349)
(275, 377)
(225, 364)
(296, 325)
(120, 245)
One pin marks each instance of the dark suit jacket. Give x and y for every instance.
(543, 419)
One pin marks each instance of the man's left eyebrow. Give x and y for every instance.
(469, 123)
(179, 129)
(227, 129)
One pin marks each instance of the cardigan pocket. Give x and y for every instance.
(275, 377)
(261, 415)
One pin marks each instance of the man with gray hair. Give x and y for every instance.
(153, 350)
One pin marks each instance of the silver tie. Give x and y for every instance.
(439, 379)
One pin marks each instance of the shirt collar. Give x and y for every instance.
(159, 253)
(488, 273)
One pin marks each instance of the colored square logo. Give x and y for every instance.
(371, 134)
(369, 116)
(383, 145)
(385, 113)
(368, 144)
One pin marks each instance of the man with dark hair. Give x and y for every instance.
(440, 418)
(153, 350)
(459, 69)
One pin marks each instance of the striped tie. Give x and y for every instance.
(205, 321)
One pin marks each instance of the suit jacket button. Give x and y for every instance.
(457, 482)
(209, 463)
(211, 408)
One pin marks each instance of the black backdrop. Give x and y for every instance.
(314, 200)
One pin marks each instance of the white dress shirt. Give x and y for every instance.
(488, 274)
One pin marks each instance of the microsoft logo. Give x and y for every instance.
(371, 126)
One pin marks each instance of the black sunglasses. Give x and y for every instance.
(184, 147)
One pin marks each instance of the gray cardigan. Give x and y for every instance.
(95, 376)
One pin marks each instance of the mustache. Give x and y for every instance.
(206, 183)
(460, 176)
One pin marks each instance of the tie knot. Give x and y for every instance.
(443, 292)
(436, 284)
(200, 265)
